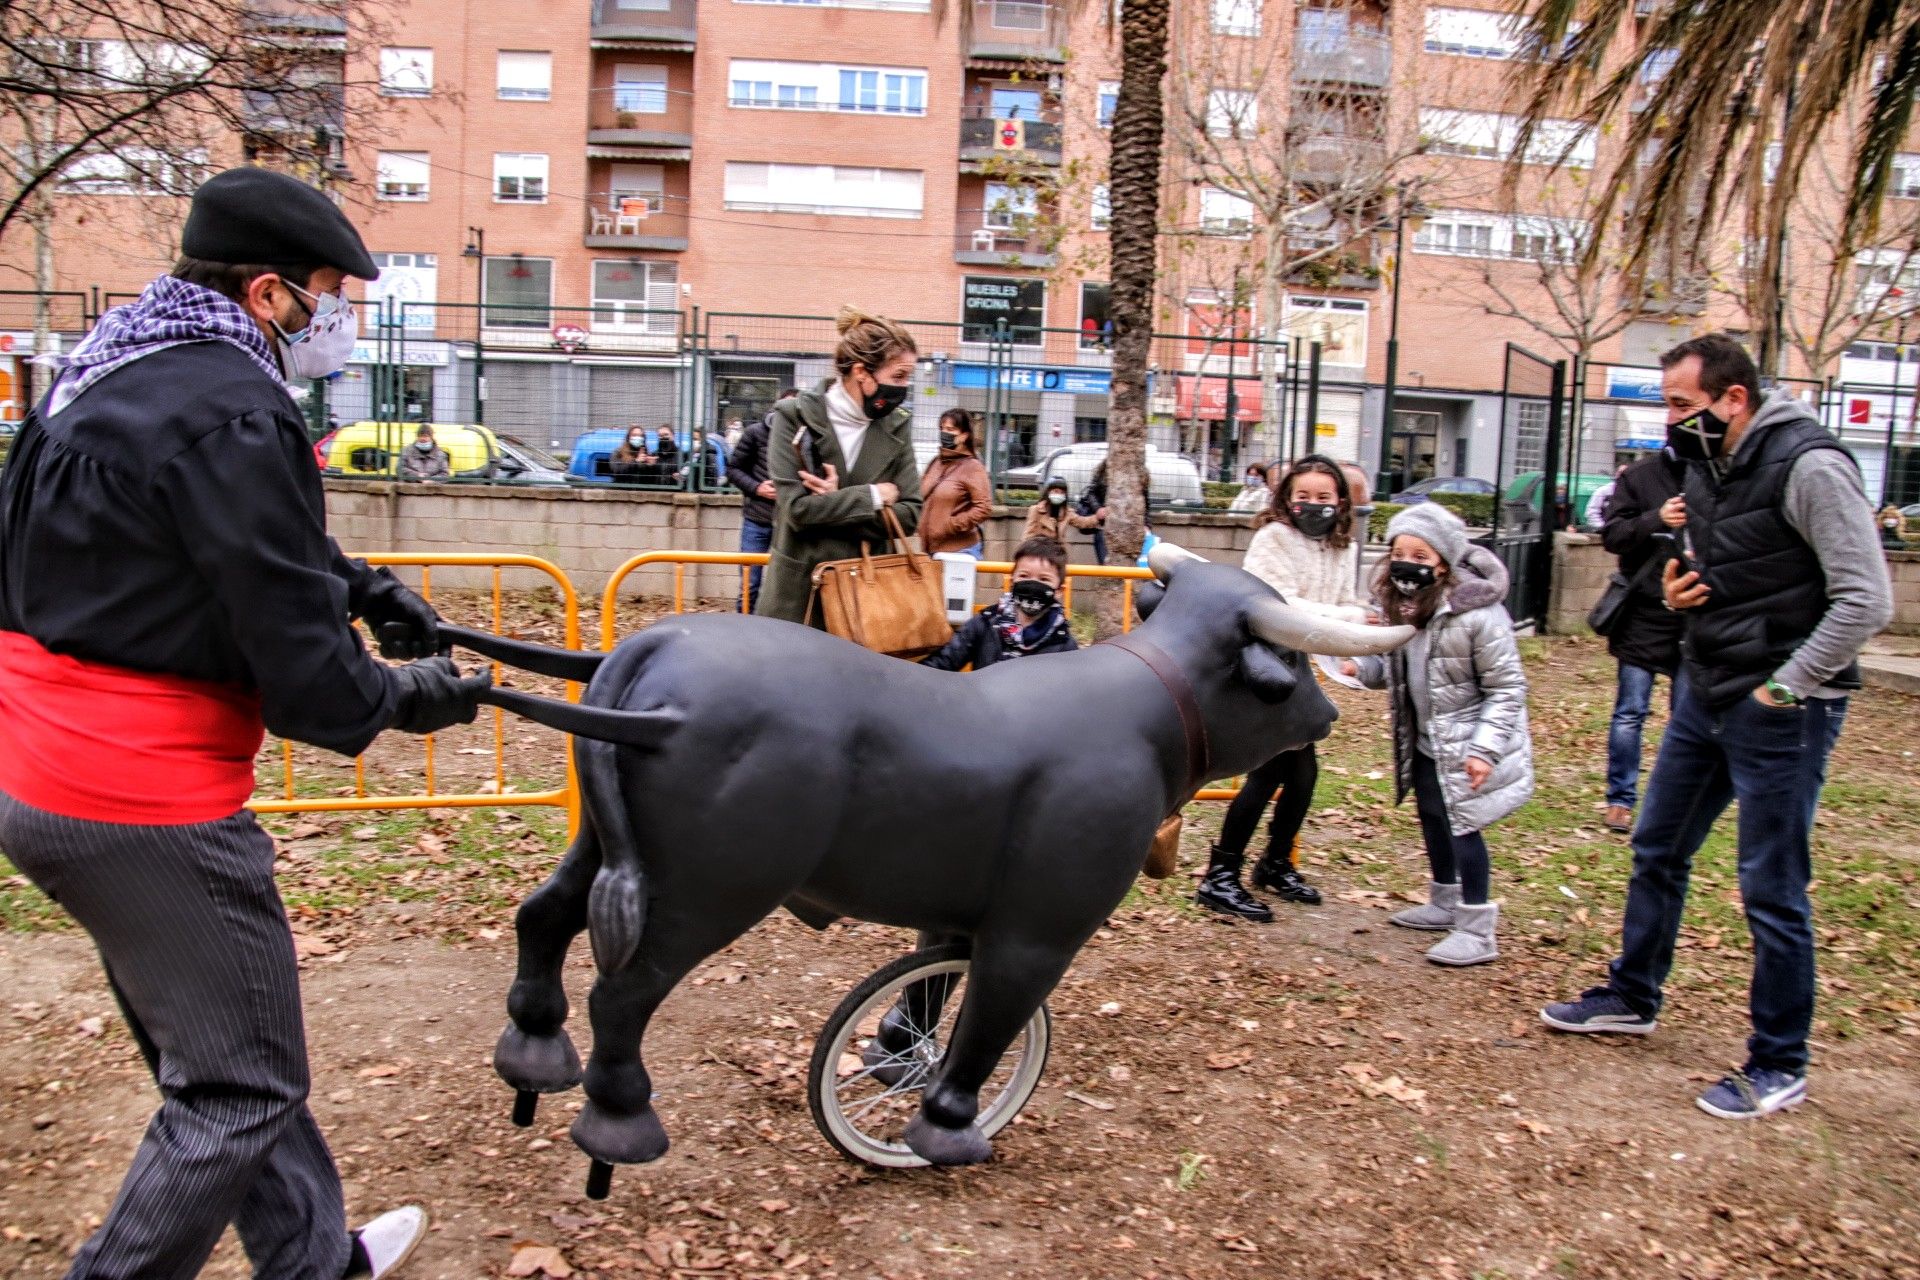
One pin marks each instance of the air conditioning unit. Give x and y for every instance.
(983, 240)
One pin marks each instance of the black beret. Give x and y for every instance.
(260, 216)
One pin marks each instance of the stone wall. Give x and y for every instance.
(591, 532)
(1582, 565)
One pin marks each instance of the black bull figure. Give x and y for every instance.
(733, 765)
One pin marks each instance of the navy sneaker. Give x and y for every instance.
(1750, 1094)
(1598, 1009)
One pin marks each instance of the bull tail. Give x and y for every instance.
(617, 905)
(542, 660)
(641, 729)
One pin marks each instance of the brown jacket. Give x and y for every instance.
(956, 498)
(1042, 523)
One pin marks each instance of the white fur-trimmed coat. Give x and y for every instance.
(1307, 571)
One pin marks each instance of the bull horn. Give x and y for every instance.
(1165, 556)
(1279, 623)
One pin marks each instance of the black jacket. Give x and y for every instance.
(1768, 589)
(747, 470)
(977, 643)
(1647, 633)
(171, 520)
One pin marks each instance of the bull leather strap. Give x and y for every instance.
(1193, 725)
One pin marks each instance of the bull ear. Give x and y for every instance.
(1147, 597)
(1268, 674)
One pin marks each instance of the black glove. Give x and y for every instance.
(405, 625)
(434, 695)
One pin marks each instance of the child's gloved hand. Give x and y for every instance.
(1478, 771)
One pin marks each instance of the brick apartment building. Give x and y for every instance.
(562, 195)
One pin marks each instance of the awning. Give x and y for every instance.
(639, 151)
(1212, 398)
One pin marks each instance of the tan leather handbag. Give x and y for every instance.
(890, 603)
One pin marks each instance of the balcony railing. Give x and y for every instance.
(982, 138)
(1018, 30)
(636, 220)
(1021, 244)
(1358, 60)
(675, 25)
(1331, 157)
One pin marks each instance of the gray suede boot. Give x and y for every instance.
(1471, 941)
(1437, 912)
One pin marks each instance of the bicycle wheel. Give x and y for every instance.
(863, 1092)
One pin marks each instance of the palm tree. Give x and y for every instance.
(1740, 76)
(1137, 138)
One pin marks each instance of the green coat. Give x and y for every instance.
(812, 528)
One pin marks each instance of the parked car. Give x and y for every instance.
(521, 462)
(1172, 481)
(475, 454)
(1425, 489)
(1520, 507)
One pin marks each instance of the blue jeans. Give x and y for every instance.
(1632, 698)
(1774, 762)
(754, 536)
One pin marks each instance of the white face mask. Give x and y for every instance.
(424, 446)
(321, 349)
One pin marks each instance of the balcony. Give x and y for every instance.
(1350, 268)
(1007, 33)
(1020, 245)
(638, 144)
(1326, 156)
(636, 220)
(670, 29)
(984, 140)
(1359, 60)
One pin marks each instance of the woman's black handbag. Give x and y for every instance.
(1605, 614)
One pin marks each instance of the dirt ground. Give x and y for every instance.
(1310, 1098)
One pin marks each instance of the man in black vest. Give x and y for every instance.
(1784, 582)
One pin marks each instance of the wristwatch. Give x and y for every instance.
(1781, 694)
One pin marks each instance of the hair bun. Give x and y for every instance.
(852, 317)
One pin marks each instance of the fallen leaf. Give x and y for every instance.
(1229, 1060)
(1095, 1103)
(92, 1026)
(775, 1206)
(383, 1071)
(538, 1260)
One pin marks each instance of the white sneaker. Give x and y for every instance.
(383, 1246)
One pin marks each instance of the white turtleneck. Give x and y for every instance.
(850, 427)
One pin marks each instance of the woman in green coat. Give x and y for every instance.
(836, 456)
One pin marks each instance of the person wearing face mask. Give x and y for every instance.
(1303, 548)
(168, 594)
(1783, 583)
(1893, 528)
(1054, 514)
(955, 495)
(425, 460)
(839, 455)
(1461, 746)
(1256, 491)
(630, 462)
(1028, 619)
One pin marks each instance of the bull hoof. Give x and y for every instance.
(617, 1139)
(536, 1064)
(941, 1146)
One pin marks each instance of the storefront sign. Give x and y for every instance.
(1072, 382)
(1212, 402)
(1634, 384)
(989, 302)
(409, 352)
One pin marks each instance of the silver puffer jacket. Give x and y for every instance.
(1463, 671)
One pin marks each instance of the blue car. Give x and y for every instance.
(1424, 491)
(593, 454)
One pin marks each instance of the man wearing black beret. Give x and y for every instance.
(168, 593)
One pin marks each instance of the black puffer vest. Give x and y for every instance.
(1768, 590)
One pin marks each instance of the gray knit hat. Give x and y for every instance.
(1442, 530)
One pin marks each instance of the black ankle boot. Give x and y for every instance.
(1277, 876)
(1221, 890)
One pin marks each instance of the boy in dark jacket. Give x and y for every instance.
(1642, 519)
(1025, 621)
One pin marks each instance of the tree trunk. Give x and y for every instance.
(1138, 133)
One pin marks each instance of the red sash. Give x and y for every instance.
(99, 742)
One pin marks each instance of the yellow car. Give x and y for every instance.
(374, 448)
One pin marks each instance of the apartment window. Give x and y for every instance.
(1472, 33)
(644, 6)
(1109, 102)
(1009, 103)
(406, 73)
(1656, 65)
(1232, 113)
(1096, 317)
(1102, 207)
(519, 177)
(134, 171)
(1010, 207)
(1462, 236)
(1222, 213)
(518, 293)
(1489, 136)
(1547, 239)
(1321, 31)
(1339, 325)
(826, 86)
(636, 296)
(640, 90)
(896, 6)
(994, 306)
(1236, 17)
(1770, 166)
(1020, 15)
(835, 190)
(1471, 234)
(637, 180)
(526, 76)
(1906, 175)
(401, 175)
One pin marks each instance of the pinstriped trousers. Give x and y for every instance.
(195, 942)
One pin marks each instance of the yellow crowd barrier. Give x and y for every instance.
(565, 797)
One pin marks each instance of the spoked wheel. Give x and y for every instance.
(866, 1078)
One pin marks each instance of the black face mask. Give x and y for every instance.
(1699, 437)
(1032, 596)
(949, 441)
(884, 399)
(1410, 577)
(1315, 519)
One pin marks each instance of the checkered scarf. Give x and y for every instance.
(169, 314)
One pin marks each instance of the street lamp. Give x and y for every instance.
(1407, 208)
(477, 250)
